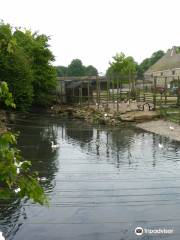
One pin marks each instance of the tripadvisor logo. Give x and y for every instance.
(139, 231)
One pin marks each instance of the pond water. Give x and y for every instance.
(102, 182)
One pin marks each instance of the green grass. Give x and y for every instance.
(170, 114)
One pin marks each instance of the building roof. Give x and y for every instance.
(84, 78)
(170, 60)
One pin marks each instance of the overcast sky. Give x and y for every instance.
(95, 30)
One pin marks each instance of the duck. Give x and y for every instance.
(160, 145)
(1, 236)
(54, 146)
(171, 128)
(42, 179)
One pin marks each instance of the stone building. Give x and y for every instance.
(166, 69)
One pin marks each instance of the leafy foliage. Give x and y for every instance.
(76, 68)
(5, 95)
(25, 64)
(16, 179)
(122, 67)
(62, 71)
(91, 71)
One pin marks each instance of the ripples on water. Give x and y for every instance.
(102, 182)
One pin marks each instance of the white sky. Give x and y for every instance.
(95, 30)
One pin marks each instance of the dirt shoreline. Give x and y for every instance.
(162, 127)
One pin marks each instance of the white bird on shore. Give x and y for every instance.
(171, 128)
(1, 236)
(105, 115)
(54, 146)
(161, 145)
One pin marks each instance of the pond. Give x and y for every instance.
(102, 182)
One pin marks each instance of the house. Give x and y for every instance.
(166, 70)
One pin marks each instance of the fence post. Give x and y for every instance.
(178, 93)
(165, 99)
(99, 88)
(117, 96)
(107, 81)
(88, 94)
(154, 92)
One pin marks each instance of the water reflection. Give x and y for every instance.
(100, 176)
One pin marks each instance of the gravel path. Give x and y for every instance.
(162, 127)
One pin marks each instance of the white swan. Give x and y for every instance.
(43, 179)
(161, 145)
(1, 236)
(171, 128)
(54, 146)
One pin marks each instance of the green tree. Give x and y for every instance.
(40, 58)
(122, 67)
(91, 71)
(26, 65)
(62, 71)
(16, 178)
(15, 68)
(76, 68)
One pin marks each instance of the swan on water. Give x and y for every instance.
(171, 128)
(54, 146)
(1, 236)
(160, 145)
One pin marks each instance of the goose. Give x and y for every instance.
(160, 145)
(1, 236)
(171, 128)
(54, 146)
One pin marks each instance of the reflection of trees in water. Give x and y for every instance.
(122, 145)
(11, 217)
(34, 141)
(79, 131)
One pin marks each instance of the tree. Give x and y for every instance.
(91, 71)
(15, 68)
(76, 68)
(16, 178)
(26, 64)
(62, 71)
(123, 67)
(40, 57)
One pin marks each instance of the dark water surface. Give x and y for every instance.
(102, 183)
